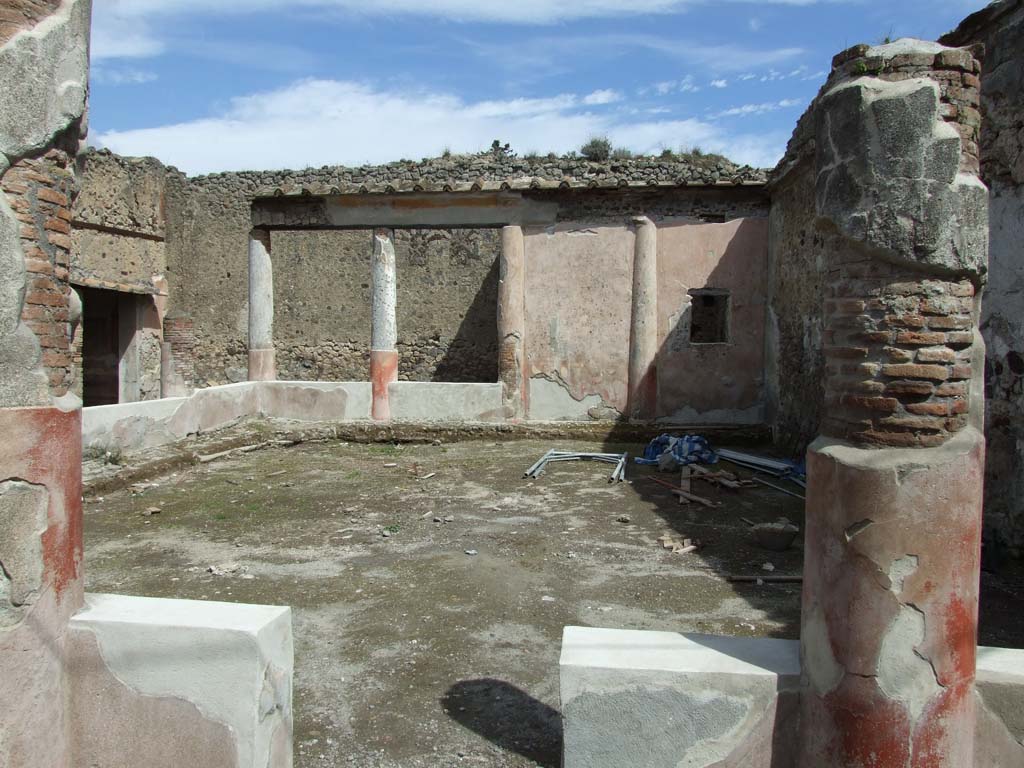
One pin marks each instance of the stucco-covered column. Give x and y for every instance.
(262, 364)
(643, 335)
(512, 322)
(894, 493)
(384, 334)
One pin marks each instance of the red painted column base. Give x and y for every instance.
(383, 371)
(890, 604)
(41, 474)
(262, 365)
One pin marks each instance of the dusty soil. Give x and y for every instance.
(411, 652)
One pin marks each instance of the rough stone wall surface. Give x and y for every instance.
(119, 221)
(1000, 28)
(322, 305)
(434, 173)
(447, 304)
(713, 206)
(798, 249)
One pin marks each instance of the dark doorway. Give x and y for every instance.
(101, 347)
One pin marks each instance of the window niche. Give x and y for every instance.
(709, 316)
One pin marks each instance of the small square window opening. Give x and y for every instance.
(709, 317)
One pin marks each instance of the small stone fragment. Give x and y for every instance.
(623, 519)
(471, 552)
(148, 512)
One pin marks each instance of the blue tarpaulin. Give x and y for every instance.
(688, 449)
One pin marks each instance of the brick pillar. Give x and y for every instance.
(177, 356)
(894, 494)
(384, 335)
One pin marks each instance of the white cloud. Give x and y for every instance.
(759, 109)
(755, 24)
(665, 87)
(522, 12)
(121, 76)
(719, 83)
(604, 96)
(322, 122)
(128, 28)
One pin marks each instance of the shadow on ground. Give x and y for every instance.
(508, 717)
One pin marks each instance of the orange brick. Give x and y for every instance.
(52, 196)
(60, 240)
(936, 355)
(38, 266)
(914, 371)
(905, 321)
(960, 372)
(45, 298)
(880, 404)
(58, 225)
(950, 322)
(925, 338)
(930, 409)
(952, 389)
(912, 388)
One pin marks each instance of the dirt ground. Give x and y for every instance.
(430, 583)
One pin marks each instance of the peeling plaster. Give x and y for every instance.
(818, 662)
(23, 521)
(903, 673)
(551, 400)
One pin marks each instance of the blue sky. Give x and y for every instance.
(215, 85)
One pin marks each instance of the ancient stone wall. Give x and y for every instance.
(899, 282)
(1000, 29)
(119, 222)
(321, 279)
(447, 304)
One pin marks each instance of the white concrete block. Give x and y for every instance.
(648, 699)
(231, 662)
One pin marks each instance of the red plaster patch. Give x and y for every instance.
(873, 730)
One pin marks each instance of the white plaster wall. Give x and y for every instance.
(428, 401)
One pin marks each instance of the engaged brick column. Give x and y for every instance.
(38, 191)
(262, 364)
(177, 356)
(643, 335)
(892, 554)
(512, 322)
(384, 334)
